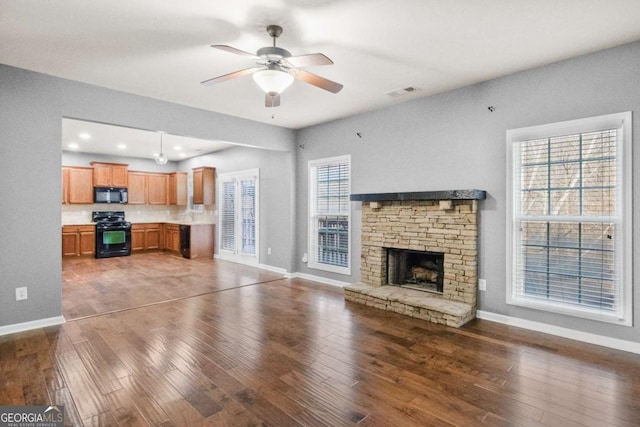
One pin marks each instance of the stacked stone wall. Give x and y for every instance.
(424, 226)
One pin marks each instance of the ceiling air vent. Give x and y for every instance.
(401, 92)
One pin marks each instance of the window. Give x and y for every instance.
(569, 223)
(238, 216)
(329, 214)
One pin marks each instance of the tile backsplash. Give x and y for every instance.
(81, 214)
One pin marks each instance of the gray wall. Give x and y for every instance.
(452, 141)
(276, 197)
(33, 106)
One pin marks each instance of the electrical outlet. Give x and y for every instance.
(268, 251)
(482, 284)
(21, 294)
(304, 258)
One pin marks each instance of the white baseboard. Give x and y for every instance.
(34, 324)
(278, 270)
(618, 344)
(320, 279)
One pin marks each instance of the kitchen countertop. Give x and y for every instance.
(178, 222)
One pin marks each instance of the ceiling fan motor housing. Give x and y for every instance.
(273, 53)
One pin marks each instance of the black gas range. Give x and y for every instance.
(113, 234)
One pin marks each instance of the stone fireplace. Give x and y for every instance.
(420, 254)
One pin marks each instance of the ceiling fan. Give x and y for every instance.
(276, 69)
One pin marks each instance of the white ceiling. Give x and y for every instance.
(161, 49)
(91, 137)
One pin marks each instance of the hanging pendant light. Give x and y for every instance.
(161, 159)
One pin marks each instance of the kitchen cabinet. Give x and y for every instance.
(200, 241)
(137, 188)
(171, 238)
(77, 185)
(157, 185)
(109, 174)
(178, 188)
(145, 237)
(204, 182)
(78, 240)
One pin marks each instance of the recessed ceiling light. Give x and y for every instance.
(122, 146)
(177, 147)
(84, 136)
(73, 145)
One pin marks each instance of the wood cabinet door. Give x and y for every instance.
(137, 188)
(178, 188)
(109, 174)
(101, 175)
(70, 241)
(80, 185)
(119, 175)
(87, 240)
(157, 189)
(137, 237)
(152, 236)
(65, 185)
(204, 182)
(198, 195)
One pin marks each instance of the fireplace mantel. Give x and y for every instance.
(421, 195)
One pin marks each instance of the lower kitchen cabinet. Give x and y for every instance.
(145, 237)
(78, 240)
(172, 238)
(200, 241)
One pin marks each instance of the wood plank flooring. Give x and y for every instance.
(288, 352)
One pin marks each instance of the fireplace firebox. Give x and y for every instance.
(421, 270)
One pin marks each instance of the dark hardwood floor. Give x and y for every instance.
(287, 352)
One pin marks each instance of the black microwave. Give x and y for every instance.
(109, 195)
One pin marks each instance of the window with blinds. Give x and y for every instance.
(569, 225)
(238, 216)
(329, 219)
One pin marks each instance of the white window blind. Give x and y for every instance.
(569, 250)
(228, 215)
(238, 216)
(248, 210)
(329, 221)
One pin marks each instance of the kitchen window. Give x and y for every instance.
(329, 214)
(569, 218)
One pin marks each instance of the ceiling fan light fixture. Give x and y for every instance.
(272, 81)
(161, 159)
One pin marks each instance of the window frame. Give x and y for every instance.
(622, 122)
(312, 250)
(236, 254)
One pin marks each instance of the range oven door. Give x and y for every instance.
(113, 240)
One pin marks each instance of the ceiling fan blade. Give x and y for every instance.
(317, 81)
(271, 101)
(308, 60)
(230, 76)
(233, 50)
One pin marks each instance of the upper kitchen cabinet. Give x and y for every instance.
(157, 185)
(77, 185)
(137, 188)
(109, 174)
(178, 188)
(204, 184)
